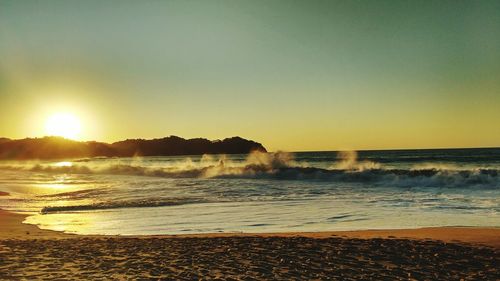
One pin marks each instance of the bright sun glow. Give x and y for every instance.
(63, 125)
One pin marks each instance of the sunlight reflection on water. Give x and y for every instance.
(169, 195)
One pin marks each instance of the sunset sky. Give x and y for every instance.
(293, 75)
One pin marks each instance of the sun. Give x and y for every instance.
(64, 125)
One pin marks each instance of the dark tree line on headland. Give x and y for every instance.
(57, 147)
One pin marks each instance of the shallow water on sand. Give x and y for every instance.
(274, 192)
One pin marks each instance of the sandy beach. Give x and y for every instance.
(27, 252)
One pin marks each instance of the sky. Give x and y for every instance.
(293, 75)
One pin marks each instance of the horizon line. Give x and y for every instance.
(395, 149)
(274, 151)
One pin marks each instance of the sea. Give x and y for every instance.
(257, 192)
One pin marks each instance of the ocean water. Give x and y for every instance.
(259, 192)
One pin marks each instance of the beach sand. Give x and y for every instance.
(27, 252)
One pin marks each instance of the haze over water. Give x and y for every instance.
(273, 192)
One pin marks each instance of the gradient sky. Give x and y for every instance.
(294, 75)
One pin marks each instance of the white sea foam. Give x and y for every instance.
(282, 166)
(257, 192)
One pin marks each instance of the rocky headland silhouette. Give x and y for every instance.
(58, 147)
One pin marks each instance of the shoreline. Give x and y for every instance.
(12, 227)
(28, 253)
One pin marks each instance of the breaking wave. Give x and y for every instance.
(282, 166)
(122, 204)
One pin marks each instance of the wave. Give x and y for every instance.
(122, 204)
(387, 177)
(282, 166)
(78, 194)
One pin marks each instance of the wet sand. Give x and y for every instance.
(27, 252)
